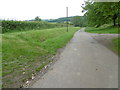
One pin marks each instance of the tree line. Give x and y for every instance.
(99, 13)
(77, 21)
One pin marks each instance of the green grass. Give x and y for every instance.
(116, 46)
(103, 30)
(0, 61)
(29, 51)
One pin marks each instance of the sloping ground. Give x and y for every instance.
(25, 53)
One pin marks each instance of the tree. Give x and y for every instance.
(37, 19)
(76, 21)
(79, 21)
(99, 13)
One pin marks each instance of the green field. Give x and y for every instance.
(103, 30)
(26, 52)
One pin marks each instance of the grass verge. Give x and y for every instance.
(116, 45)
(24, 53)
(103, 30)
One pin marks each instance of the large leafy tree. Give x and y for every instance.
(79, 21)
(37, 19)
(99, 13)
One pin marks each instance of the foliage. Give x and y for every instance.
(79, 21)
(24, 53)
(99, 13)
(37, 19)
(59, 20)
(10, 26)
(74, 20)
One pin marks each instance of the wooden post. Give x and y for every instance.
(67, 17)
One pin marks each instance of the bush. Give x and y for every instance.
(9, 26)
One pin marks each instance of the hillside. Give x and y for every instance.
(63, 19)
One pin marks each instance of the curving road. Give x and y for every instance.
(84, 63)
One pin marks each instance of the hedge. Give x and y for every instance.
(9, 26)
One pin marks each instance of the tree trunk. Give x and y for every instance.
(114, 21)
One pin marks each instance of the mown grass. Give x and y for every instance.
(24, 53)
(103, 30)
(116, 45)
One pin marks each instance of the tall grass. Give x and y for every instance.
(26, 52)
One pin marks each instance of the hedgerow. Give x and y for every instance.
(9, 26)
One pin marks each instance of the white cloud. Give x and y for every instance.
(45, 9)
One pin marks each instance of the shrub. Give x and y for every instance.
(9, 26)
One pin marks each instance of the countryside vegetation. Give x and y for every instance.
(27, 46)
(103, 18)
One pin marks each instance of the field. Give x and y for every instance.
(25, 53)
(107, 30)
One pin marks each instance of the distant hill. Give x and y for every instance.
(73, 20)
(59, 20)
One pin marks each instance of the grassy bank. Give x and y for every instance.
(116, 45)
(24, 53)
(103, 30)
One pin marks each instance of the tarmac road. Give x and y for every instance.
(84, 63)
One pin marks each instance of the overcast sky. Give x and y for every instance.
(45, 9)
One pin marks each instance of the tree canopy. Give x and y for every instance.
(79, 21)
(37, 19)
(99, 13)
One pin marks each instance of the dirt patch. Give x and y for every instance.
(105, 39)
(20, 75)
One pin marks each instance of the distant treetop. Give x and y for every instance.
(37, 18)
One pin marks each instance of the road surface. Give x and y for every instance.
(84, 63)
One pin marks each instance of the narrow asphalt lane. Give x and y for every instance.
(84, 63)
